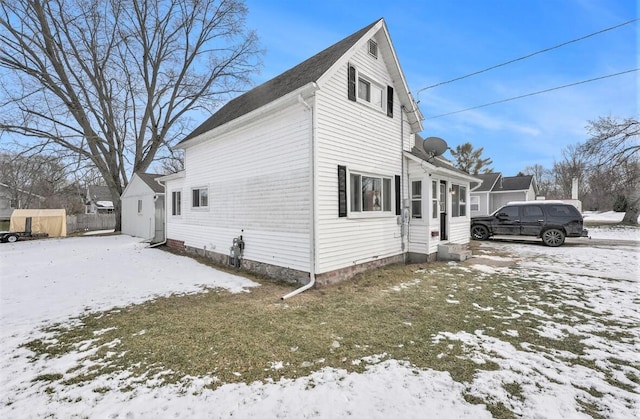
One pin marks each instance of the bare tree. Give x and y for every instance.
(114, 81)
(470, 160)
(573, 166)
(31, 179)
(614, 146)
(543, 178)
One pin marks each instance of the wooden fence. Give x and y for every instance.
(90, 222)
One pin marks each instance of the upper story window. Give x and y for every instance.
(361, 88)
(139, 206)
(200, 197)
(373, 48)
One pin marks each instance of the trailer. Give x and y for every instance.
(27, 234)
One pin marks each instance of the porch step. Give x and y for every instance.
(455, 252)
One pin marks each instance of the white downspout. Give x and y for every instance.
(312, 252)
(165, 217)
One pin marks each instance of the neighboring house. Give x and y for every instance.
(99, 200)
(497, 190)
(319, 172)
(11, 199)
(143, 207)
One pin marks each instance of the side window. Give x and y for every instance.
(416, 199)
(200, 197)
(560, 211)
(176, 203)
(434, 199)
(139, 206)
(532, 213)
(510, 212)
(475, 203)
(369, 194)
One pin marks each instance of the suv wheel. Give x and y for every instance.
(479, 232)
(553, 237)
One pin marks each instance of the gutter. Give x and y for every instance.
(312, 252)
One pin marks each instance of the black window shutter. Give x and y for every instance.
(352, 83)
(342, 191)
(398, 196)
(390, 101)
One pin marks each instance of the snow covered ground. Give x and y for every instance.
(49, 281)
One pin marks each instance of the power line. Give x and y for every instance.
(533, 94)
(528, 56)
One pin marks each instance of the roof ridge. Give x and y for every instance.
(307, 71)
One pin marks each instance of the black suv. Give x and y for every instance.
(550, 220)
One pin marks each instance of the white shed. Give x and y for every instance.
(143, 207)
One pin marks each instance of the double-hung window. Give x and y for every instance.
(176, 203)
(416, 199)
(200, 197)
(370, 193)
(458, 201)
(474, 203)
(434, 199)
(362, 88)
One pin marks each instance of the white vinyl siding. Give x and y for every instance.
(367, 142)
(258, 179)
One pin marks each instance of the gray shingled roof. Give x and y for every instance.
(514, 183)
(150, 180)
(99, 193)
(488, 181)
(302, 74)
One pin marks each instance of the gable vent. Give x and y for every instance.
(373, 48)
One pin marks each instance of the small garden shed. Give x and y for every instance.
(42, 221)
(143, 207)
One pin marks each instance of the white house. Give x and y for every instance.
(143, 207)
(319, 171)
(14, 198)
(98, 200)
(497, 190)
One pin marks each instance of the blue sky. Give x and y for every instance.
(440, 40)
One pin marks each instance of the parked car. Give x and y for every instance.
(551, 221)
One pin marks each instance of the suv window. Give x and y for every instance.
(511, 212)
(532, 213)
(562, 211)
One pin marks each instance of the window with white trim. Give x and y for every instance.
(474, 203)
(434, 199)
(364, 89)
(370, 193)
(370, 92)
(139, 206)
(458, 201)
(416, 199)
(176, 203)
(200, 197)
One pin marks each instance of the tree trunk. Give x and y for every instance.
(633, 208)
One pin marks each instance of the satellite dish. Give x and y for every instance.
(434, 146)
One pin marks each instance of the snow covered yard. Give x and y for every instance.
(522, 329)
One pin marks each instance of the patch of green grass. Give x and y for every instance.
(397, 312)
